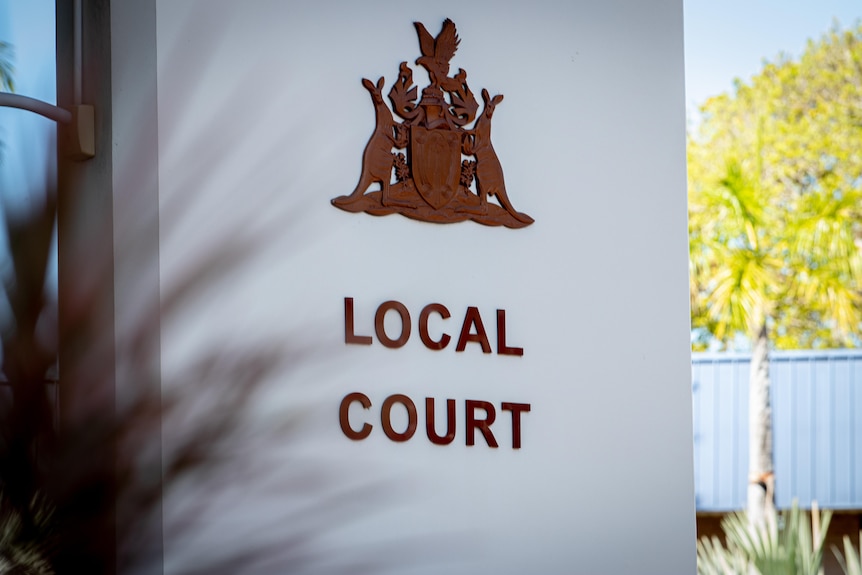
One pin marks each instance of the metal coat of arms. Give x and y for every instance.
(444, 171)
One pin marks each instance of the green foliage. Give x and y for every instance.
(792, 546)
(7, 70)
(851, 559)
(775, 202)
(715, 559)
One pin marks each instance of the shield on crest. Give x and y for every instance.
(436, 163)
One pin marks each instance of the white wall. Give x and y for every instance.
(262, 120)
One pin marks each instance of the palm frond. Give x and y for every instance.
(789, 549)
(851, 559)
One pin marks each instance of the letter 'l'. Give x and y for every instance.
(502, 348)
(349, 335)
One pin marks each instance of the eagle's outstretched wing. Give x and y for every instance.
(426, 40)
(447, 42)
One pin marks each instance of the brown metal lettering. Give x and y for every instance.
(423, 326)
(450, 422)
(379, 326)
(349, 333)
(472, 318)
(516, 409)
(343, 416)
(483, 425)
(385, 413)
(502, 348)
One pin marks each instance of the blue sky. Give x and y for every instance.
(727, 39)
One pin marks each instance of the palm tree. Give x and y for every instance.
(775, 185)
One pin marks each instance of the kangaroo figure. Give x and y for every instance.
(489, 172)
(377, 159)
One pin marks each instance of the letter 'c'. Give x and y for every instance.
(344, 411)
(423, 326)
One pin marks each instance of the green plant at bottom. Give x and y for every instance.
(851, 559)
(792, 545)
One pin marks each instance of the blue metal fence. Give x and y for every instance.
(817, 418)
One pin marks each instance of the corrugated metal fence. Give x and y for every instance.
(817, 418)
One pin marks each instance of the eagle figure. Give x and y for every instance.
(436, 52)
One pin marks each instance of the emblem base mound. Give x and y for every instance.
(464, 206)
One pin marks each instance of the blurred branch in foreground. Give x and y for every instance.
(130, 471)
(62, 487)
(135, 463)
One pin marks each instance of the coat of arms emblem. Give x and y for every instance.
(444, 169)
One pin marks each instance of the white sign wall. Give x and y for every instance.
(263, 119)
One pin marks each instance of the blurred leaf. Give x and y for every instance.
(7, 70)
(851, 559)
(786, 547)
